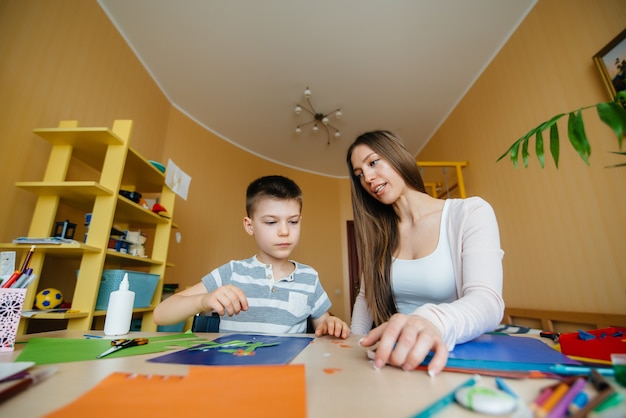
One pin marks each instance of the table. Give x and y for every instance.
(340, 381)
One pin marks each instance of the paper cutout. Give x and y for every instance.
(235, 347)
(177, 179)
(250, 391)
(230, 350)
(64, 350)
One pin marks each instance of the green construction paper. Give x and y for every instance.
(64, 350)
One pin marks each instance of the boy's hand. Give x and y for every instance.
(331, 325)
(227, 299)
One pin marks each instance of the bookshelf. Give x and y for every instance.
(107, 152)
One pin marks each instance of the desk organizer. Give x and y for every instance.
(11, 304)
(603, 342)
(143, 284)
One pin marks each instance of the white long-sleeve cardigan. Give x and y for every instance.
(477, 261)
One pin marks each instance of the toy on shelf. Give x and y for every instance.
(137, 240)
(118, 242)
(160, 210)
(48, 299)
(65, 229)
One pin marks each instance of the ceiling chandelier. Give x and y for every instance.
(319, 119)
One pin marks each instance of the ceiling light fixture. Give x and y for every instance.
(319, 119)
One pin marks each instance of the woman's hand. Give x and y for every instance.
(405, 341)
(331, 325)
(227, 299)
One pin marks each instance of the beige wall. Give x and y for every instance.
(563, 231)
(65, 60)
(210, 221)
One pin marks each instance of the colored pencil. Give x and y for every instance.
(561, 407)
(554, 398)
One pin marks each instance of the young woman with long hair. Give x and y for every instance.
(431, 268)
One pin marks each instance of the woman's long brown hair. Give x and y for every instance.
(376, 224)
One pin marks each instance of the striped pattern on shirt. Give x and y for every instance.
(274, 307)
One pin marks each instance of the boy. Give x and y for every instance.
(267, 293)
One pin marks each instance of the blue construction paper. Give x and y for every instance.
(283, 352)
(503, 353)
(500, 347)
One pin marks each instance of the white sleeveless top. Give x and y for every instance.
(428, 279)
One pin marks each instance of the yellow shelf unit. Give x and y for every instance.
(106, 151)
(441, 182)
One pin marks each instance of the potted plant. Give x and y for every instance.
(613, 114)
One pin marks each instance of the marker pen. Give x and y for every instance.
(19, 282)
(9, 282)
(27, 259)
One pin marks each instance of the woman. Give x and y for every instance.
(431, 268)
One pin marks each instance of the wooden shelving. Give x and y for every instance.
(106, 151)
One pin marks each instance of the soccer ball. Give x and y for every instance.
(48, 299)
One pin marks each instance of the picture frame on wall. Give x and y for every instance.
(611, 62)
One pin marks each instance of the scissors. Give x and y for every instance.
(123, 343)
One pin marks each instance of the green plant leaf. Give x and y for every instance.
(513, 150)
(513, 153)
(550, 123)
(539, 147)
(555, 149)
(577, 135)
(525, 152)
(509, 150)
(614, 116)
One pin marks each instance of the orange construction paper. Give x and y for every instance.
(228, 391)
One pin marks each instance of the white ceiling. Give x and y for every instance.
(239, 67)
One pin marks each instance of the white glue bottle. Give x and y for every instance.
(120, 310)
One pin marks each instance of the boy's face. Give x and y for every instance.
(275, 225)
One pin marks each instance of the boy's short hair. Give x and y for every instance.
(275, 187)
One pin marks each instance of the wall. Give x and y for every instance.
(211, 220)
(562, 230)
(64, 60)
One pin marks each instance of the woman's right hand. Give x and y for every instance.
(226, 300)
(405, 341)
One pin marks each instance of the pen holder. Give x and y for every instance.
(11, 304)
